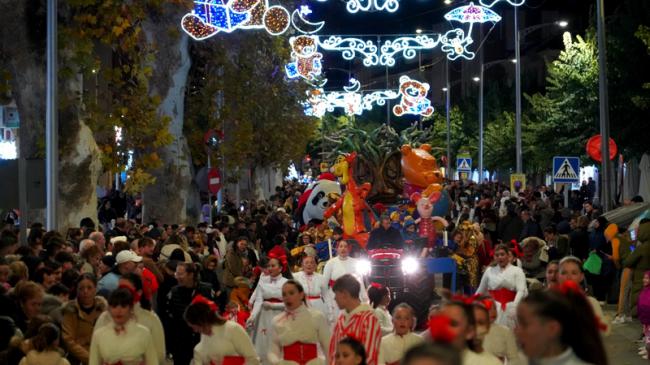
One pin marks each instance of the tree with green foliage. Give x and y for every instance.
(566, 115)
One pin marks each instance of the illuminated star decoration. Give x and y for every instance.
(210, 17)
(412, 92)
(354, 6)
(306, 61)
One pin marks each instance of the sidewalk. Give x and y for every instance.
(620, 344)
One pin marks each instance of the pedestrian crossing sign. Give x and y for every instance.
(464, 164)
(566, 170)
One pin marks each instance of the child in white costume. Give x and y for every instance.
(222, 342)
(124, 341)
(335, 268)
(267, 303)
(315, 286)
(379, 297)
(395, 345)
(298, 333)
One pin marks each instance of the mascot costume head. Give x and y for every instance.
(316, 199)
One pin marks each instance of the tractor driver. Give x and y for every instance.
(385, 236)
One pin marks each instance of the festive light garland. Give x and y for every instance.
(490, 3)
(412, 94)
(354, 6)
(210, 17)
(301, 24)
(350, 47)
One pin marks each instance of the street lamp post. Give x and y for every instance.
(518, 96)
(519, 35)
(480, 124)
(603, 106)
(447, 106)
(51, 121)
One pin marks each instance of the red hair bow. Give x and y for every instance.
(516, 249)
(570, 286)
(465, 299)
(440, 329)
(376, 285)
(136, 296)
(279, 254)
(487, 303)
(201, 299)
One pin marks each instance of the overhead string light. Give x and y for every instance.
(355, 6)
(491, 3)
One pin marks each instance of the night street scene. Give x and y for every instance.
(324, 182)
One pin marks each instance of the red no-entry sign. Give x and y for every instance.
(214, 180)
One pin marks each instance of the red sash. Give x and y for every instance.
(273, 300)
(300, 352)
(313, 297)
(503, 296)
(231, 360)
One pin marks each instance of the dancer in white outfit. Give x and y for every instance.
(298, 333)
(267, 303)
(506, 284)
(222, 342)
(315, 285)
(141, 316)
(124, 342)
(335, 268)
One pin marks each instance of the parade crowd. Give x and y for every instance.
(252, 287)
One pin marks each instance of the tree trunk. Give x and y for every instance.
(174, 198)
(23, 50)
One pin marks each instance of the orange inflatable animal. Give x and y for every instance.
(352, 202)
(420, 170)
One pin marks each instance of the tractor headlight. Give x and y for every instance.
(409, 265)
(363, 267)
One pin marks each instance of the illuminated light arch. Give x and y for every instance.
(355, 6)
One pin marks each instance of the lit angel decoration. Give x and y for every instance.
(210, 17)
(456, 41)
(306, 60)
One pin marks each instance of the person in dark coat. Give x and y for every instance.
(385, 236)
(531, 227)
(178, 299)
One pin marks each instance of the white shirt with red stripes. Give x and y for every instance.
(362, 324)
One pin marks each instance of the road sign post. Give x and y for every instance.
(566, 170)
(464, 166)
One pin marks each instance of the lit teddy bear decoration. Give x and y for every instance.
(414, 98)
(306, 61)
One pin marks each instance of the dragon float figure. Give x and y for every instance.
(355, 211)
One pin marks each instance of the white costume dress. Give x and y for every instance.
(500, 341)
(146, 318)
(267, 303)
(393, 347)
(302, 331)
(484, 358)
(316, 291)
(131, 345)
(496, 280)
(229, 339)
(334, 269)
(385, 320)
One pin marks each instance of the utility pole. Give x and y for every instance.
(518, 96)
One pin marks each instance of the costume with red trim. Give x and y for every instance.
(361, 324)
(297, 336)
(228, 344)
(508, 287)
(267, 303)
